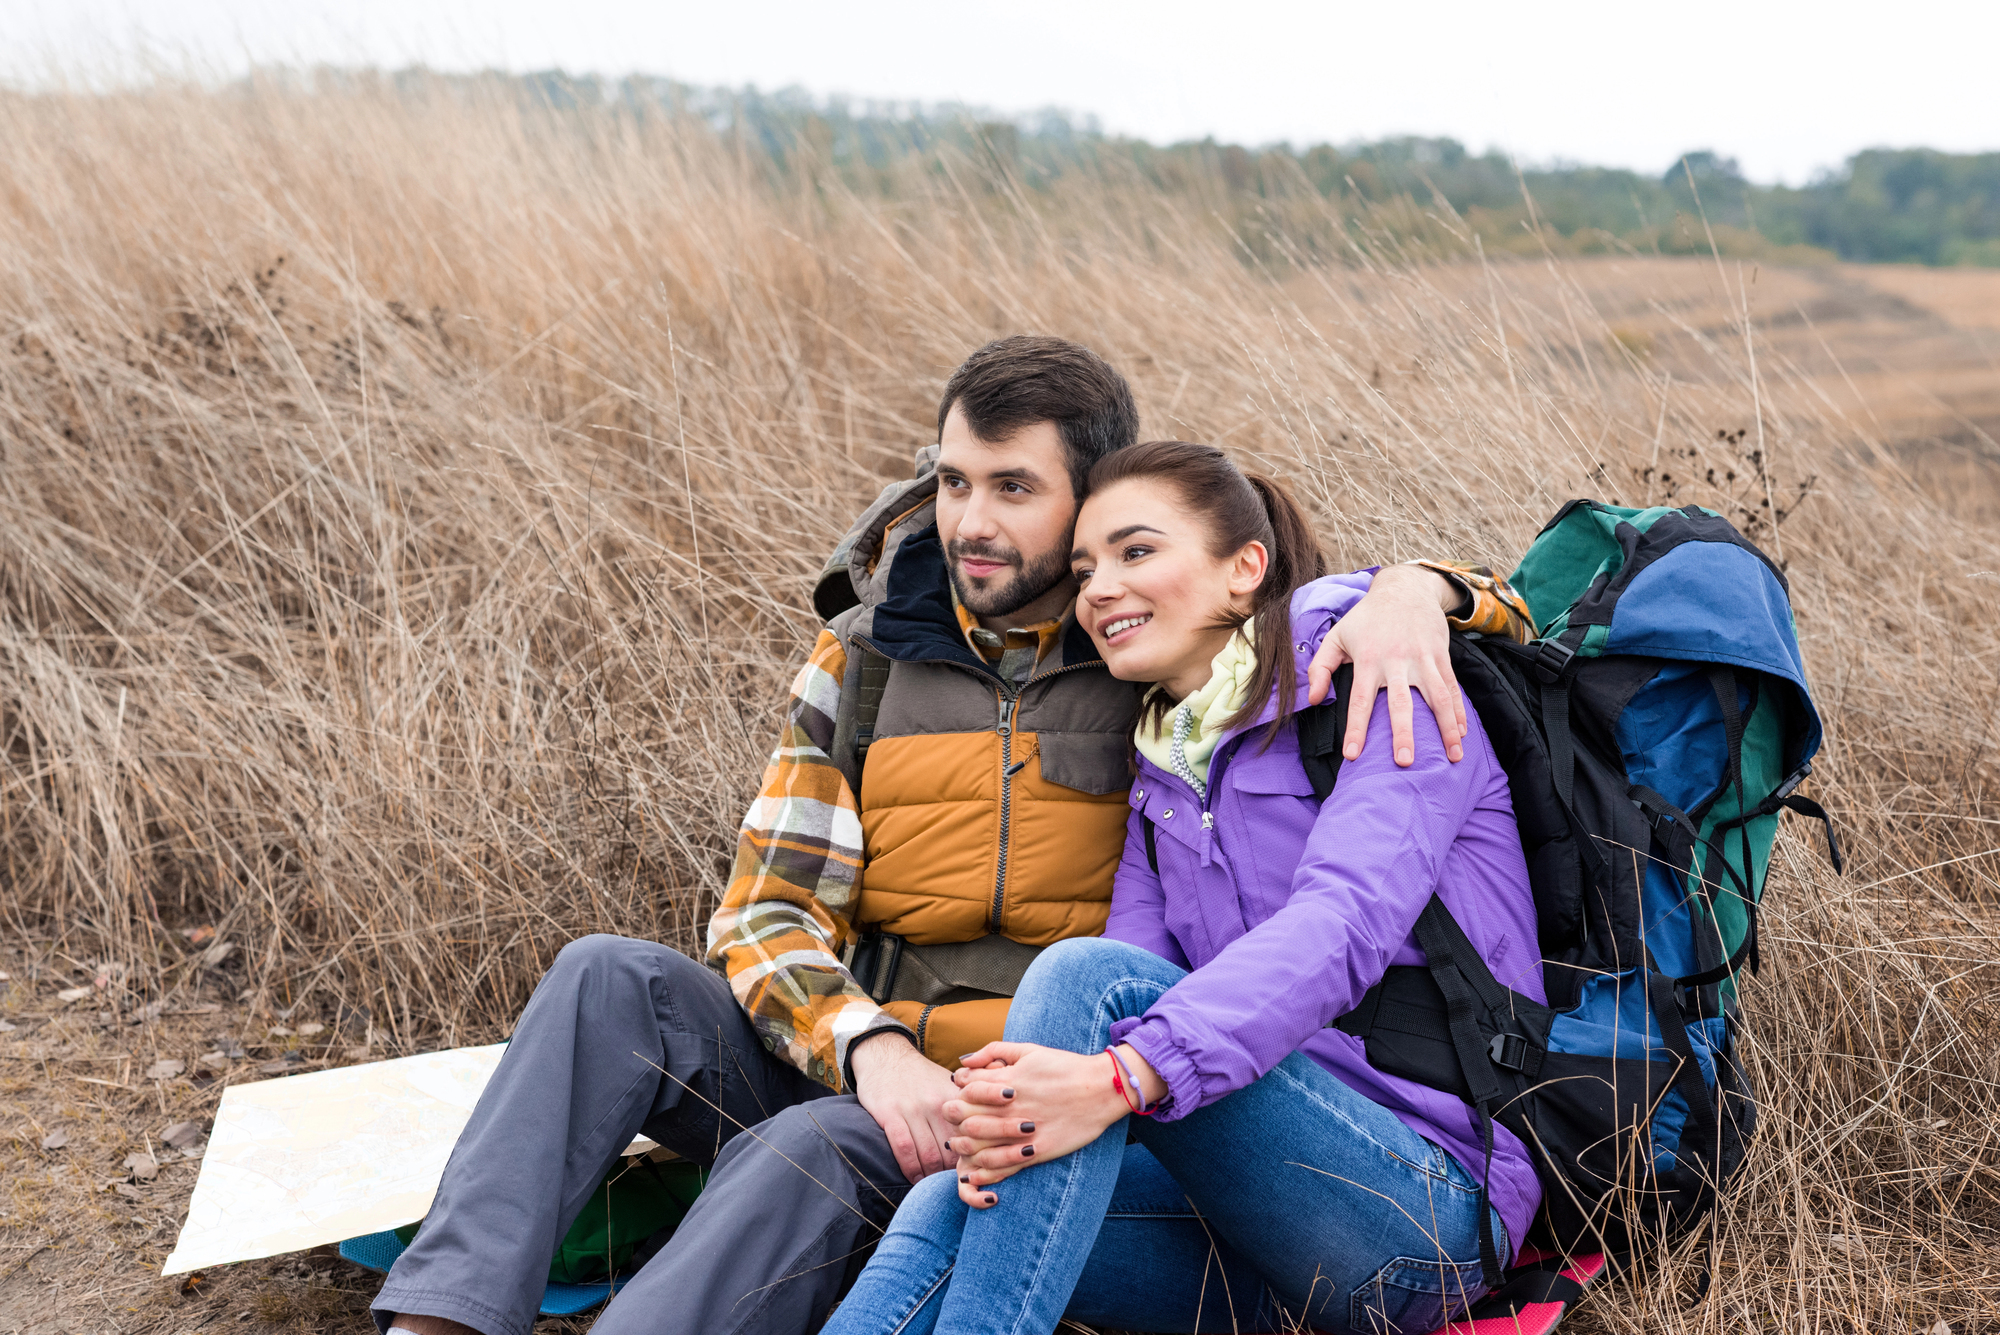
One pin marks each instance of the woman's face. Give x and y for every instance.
(1151, 592)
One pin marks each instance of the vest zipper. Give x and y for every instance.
(1005, 726)
(1006, 730)
(1012, 704)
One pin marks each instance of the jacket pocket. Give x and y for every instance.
(1274, 772)
(1090, 762)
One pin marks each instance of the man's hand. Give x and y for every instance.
(1396, 638)
(904, 1091)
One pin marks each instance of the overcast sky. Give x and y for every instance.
(1784, 86)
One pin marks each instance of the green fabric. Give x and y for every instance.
(1568, 556)
(1764, 734)
(630, 1205)
(627, 1208)
(1229, 674)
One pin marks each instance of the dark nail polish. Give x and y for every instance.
(1006, 1093)
(965, 1179)
(991, 1199)
(1027, 1128)
(1027, 1151)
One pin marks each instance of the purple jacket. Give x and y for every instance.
(1287, 913)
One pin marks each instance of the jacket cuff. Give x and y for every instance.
(1460, 616)
(839, 1074)
(1152, 1040)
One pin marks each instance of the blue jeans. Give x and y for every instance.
(1292, 1199)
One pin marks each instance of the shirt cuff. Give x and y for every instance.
(1152, 1040)
(1467, 601)
(880, 1023)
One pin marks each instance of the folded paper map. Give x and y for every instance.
(310, 1159)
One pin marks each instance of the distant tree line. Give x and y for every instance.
(1911, 206)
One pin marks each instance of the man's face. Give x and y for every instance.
(1005, 512)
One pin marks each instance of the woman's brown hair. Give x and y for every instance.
(1239, 508)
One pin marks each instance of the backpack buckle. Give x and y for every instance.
(1552, 660)
(1509, 1052)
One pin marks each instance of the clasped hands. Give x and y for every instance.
(1021, 1103)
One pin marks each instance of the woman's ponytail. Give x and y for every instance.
(1296, 559)
(1240, 509)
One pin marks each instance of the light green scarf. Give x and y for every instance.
(1183, 742)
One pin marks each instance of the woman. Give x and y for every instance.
(1275, 1177)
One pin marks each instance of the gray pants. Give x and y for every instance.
(802, 1185)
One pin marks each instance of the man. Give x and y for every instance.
(948, 795)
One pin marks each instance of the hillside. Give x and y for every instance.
(1883, 205)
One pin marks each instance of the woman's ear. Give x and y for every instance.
(1248, 568)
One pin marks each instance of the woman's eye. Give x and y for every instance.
(1080, 575)
(1134, 553)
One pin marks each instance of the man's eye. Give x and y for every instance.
(1014, 487)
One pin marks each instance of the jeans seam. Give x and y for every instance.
(911, 1315)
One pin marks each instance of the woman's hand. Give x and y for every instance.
(1020, 1103)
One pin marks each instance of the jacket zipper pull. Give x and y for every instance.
(1207, 838)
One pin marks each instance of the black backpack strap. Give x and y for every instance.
(1805, 806)
(1152, 848)
(1322, 728)
(1454, 964)
(1785, 799)
(1526, 1288)
(1704, 1124)
(1678, 834)
(1554, 662)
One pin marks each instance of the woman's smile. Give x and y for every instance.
(1121, 629)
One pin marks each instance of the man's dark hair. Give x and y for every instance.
(1015, 382)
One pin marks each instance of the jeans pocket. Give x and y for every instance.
(1412, 1295)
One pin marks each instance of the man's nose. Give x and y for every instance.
(978, 520)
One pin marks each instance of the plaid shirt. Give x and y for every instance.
(788, 911)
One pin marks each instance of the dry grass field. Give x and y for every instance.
(408, 501)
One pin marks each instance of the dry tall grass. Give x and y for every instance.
(409, 501)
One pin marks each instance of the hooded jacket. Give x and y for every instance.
(1287, 911)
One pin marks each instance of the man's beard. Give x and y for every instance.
(997, 600)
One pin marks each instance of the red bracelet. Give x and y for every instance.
(1131, 1099)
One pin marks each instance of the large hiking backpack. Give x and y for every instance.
(1651, 737)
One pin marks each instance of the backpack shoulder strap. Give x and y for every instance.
(862, 687)
(1321, 730)
(872, 683)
